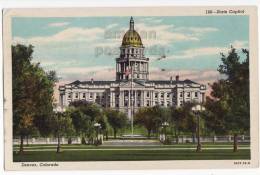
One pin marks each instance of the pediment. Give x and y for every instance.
(128, 84)
(187, 86)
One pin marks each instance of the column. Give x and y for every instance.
(62, 100)
(72, 97)
(147, 73)
(129, 98)
(142, 98)
(111, 99)
(135, 97)
(121, 98)
(164, 98)
(152, 98)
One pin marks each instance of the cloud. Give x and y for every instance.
(201, 76)
(239, 44)
(198, 30)
(151, 20)
(52, 64)
(161, 35)
(152, 35)
(72, 34)
(205, 77)
(205, 51)
(86, 73)
(58, 24)
(111, 26)
(84, 70)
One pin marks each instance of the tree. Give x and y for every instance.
(178, 120)
(190, 122)
(151, 118)
(61, 125)
(91, 109)
(80, 122)
(84, 115)
(102, 119)
(145, 117)
(214, 117)
(32, 90)
(162, 114)
(230, 96)
(184, 120)
(116, 119)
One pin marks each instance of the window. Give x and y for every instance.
(196, 94)
(168, 103)
(188, 94)
(162, 95)
(156, 95)
(126, 104)
(76, 95)
(168, 94)
(147, 104)
(138, 104)
(91, 95)
(147, 94)
(139, 93)
(126, 93)
(181, 94)
(84, 95)
(132, 51)
(117, 105)
(162, 103)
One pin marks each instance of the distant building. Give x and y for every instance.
(132, 77)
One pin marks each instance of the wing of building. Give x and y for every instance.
(132, 88)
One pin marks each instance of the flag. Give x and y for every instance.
(127, 72)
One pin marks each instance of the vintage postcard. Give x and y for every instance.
(131, 88)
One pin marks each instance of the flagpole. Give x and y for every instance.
(132, 105)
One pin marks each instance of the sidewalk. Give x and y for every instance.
(131, 143)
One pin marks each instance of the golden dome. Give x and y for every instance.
(131, 37)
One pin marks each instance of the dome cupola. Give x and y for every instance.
(131, 37)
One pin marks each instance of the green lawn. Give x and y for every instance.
(79, 146)
(112, 153)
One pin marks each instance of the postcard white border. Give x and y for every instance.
(131, 11)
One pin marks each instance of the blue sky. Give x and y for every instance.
(86, 47)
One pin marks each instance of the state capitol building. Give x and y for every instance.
(132, 88)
